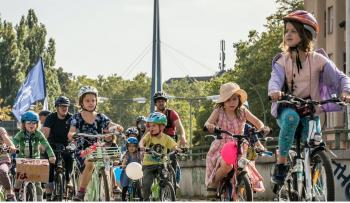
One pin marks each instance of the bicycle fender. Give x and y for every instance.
(317, 149)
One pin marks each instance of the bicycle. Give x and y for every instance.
(28, 186)
(103, 157)
(178, 155)
(60, 174)
(74, 176)
(306, 179)
(162, 187)
(134, 192)
(236, 185)
(6, 150)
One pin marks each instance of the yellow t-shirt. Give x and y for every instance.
(164, 143)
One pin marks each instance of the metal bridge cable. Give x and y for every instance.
(177, 63)
(189, 57)
(135, 65)
(141, 55)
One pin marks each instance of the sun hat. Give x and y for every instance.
(229, 89)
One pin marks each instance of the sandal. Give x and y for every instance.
(212, 194)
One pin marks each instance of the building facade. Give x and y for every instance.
(331, 16)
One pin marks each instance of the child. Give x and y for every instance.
(130, 132)
(30, 137)
(304, 73)
(229, 115)
(155, 137)
(132, 155)
(90, 122)
(5, 164)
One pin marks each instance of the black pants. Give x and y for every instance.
(68, 165)
(149, 174)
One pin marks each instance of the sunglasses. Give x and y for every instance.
(31, 122)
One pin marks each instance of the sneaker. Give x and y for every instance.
(79, 197)
(279, 174)
(10, 198)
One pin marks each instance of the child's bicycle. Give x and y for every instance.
(134, 172)
(162, 187)
(28, 184)
(6, 150)
(310, 177)
(236, 186)
(103, 157)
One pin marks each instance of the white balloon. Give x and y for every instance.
(134, 171)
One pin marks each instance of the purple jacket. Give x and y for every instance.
(332, 81)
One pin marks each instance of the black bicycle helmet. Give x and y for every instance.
(160, 95)
(44, 113)
(140, 118)
(62, 100)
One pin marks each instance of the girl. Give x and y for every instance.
(132, 155)
(90, 122)
(29, 140)
(5, 163)
(303, 73)
(229, 115)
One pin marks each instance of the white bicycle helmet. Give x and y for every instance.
(87, 89)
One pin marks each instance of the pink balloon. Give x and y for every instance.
(229, 153)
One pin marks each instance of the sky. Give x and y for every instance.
(105, 37)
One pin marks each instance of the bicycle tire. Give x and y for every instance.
(225, 191)
(30, 194)
(59, 187)
(104, 186)
(243, 180)
(75, 181)
(172, 177)
(134, 192)
(327, 165)
(167, 192)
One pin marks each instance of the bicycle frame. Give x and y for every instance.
(313, 144)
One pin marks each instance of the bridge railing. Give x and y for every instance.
(336, 139)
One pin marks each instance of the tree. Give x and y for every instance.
(10, 74)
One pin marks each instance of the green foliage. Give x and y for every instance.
(20, 48)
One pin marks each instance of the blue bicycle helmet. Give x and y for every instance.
(29, 116)
(131, 130)
(132, 140)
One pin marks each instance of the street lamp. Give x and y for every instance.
(213, 98)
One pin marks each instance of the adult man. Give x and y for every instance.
(55, 130)
(173, 126)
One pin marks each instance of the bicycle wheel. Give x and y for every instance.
(59, 187)
(75, 182)
(172, 177)
(322, 177)
(104, 186)
(30, 193)
(225, 191)
(167, 192)
(243, 190)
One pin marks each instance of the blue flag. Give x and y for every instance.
(33, 89)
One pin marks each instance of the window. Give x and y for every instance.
(330, 19)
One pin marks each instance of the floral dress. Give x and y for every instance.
(213, 159)
(101, 122)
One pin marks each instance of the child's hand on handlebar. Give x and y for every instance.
(210, 127)
(52, 159)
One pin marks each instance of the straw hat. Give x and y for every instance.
(228, 89)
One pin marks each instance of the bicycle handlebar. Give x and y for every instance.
(290, 99)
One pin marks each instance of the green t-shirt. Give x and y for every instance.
(164, 143)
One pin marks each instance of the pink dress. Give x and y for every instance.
(213, 159)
